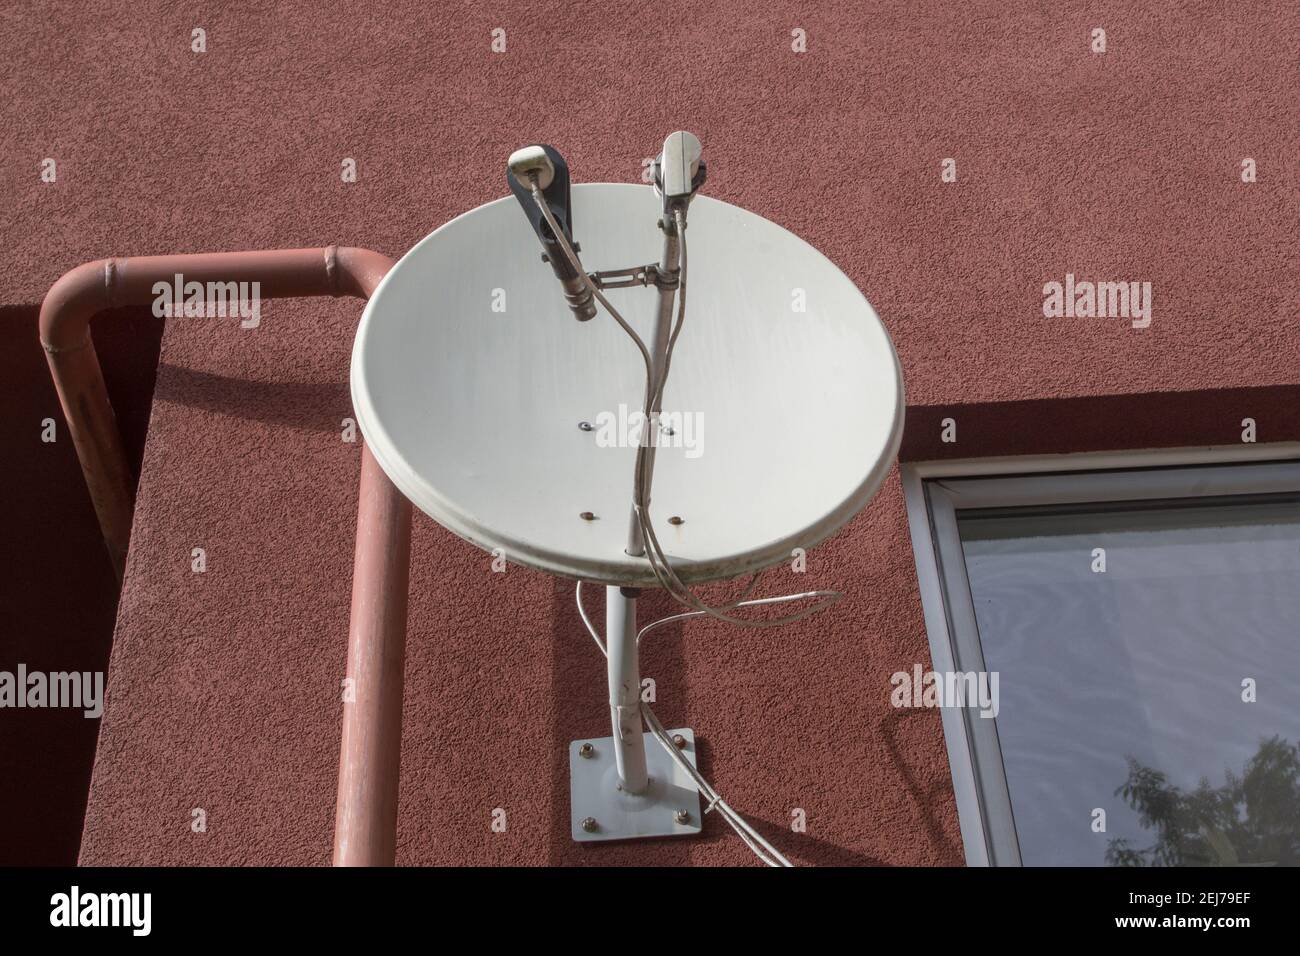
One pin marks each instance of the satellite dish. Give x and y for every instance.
(474, 387)
(521, 429)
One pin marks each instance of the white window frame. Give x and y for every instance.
(936, 490)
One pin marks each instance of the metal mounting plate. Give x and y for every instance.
(594, 793)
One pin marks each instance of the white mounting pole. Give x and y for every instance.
(625, 687)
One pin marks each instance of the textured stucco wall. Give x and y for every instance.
(224, 686)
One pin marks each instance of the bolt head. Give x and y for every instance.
(682, 817)
(585, 426)
(587, 750)
(589, 824)
(587, 516)
(679, 741)
(675, 519)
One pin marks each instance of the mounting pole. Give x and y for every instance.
(625, 687)
(626, 786)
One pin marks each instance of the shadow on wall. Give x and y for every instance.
(925, 800)
(1100, 422)
(56, 584)
(308, 405)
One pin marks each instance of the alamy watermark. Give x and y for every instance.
(209, 300)
(74, 908)
(974, 689)
(626, 428)
(80, 690)
(1102, 300)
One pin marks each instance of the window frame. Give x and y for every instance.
(935, 491)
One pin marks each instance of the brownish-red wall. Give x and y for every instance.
(224, 685)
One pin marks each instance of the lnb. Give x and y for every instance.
(679, 168)
(530, 165)
(542, 169)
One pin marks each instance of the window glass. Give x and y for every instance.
(1122, 689)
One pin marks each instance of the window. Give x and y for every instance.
(1144, 627)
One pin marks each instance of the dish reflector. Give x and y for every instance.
(471, 383)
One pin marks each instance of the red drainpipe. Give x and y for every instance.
(369, 762)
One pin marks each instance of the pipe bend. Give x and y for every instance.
(90, 287)
(72, 301)
(359, 270)
(84, 291)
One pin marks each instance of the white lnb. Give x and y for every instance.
(679, 162)
(531, 161)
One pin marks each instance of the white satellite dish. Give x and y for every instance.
(477, 415)
(513, 425)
